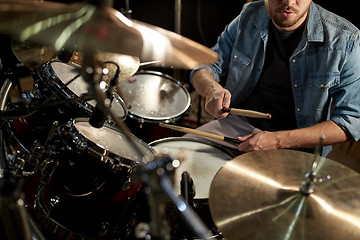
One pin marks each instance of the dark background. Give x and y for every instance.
(201, 20)
(208, 17)
(214, 15)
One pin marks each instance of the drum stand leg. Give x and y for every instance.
(15, 222)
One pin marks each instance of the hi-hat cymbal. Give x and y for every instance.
(257, 196)
(91, 28)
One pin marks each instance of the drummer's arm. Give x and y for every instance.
(216, 97)
(299, 138)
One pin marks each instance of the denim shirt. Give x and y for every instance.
(324, 68)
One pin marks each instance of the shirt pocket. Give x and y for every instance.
(324, 81)
(239, 71)
(240, 58)
(316, 97)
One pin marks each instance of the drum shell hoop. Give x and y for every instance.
(76, 142)
(47, 81)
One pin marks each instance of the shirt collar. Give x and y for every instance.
(315, 30)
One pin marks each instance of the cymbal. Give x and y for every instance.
(104, 29)
(32, 55)
(257, 196)
(128, 64)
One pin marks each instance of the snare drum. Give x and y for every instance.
(202, 160)
(151, 98)
(90, 194)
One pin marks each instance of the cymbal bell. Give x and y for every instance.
(257, 196)
(90, 28)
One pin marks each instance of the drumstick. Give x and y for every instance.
(200, 133)
(247, 113)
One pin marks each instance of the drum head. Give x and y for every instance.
(65, 72)
(202, 161)
(154, 96)
(68, 71)
(111, 139)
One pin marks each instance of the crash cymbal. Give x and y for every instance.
(91, 28)
(128, 64)
(31, 54)
(257, 196)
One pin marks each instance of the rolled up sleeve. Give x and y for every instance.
(346, 97)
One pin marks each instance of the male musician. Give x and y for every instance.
(294, 60)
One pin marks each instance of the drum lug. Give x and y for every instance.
(126, 184)
(18, 163)
(104, 229)
(141, 122)
(53, 202)
(47, 169)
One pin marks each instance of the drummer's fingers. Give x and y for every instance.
(226, 99)
(213, 103)
(219, 113)
(225, 102)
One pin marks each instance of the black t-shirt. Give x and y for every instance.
(273, 93)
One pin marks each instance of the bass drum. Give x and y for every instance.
(202, 160)
(89, 192)
(152, 98)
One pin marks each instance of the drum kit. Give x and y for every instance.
(70, 168)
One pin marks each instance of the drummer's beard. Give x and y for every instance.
(286, 22)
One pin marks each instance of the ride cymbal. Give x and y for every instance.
(89, 28)
(257, 196)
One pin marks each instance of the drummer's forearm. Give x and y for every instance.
(203, 81)
(299, 138)
(309, 137)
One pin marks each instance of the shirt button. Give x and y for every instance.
(293, 61)
(295, 85)
(298, 109)
(235, 56)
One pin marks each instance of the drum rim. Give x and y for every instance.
(87, 104)
(138, 140)
(190, 139)
(45, 73)
(208, 143)
(162, 119)
(43, 216)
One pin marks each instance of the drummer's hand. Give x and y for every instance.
(216, 99)
(261, 140)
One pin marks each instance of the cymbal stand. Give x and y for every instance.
(127, 11)
(15, 222)
(311, 175)
(154, 173)
(8, 84)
